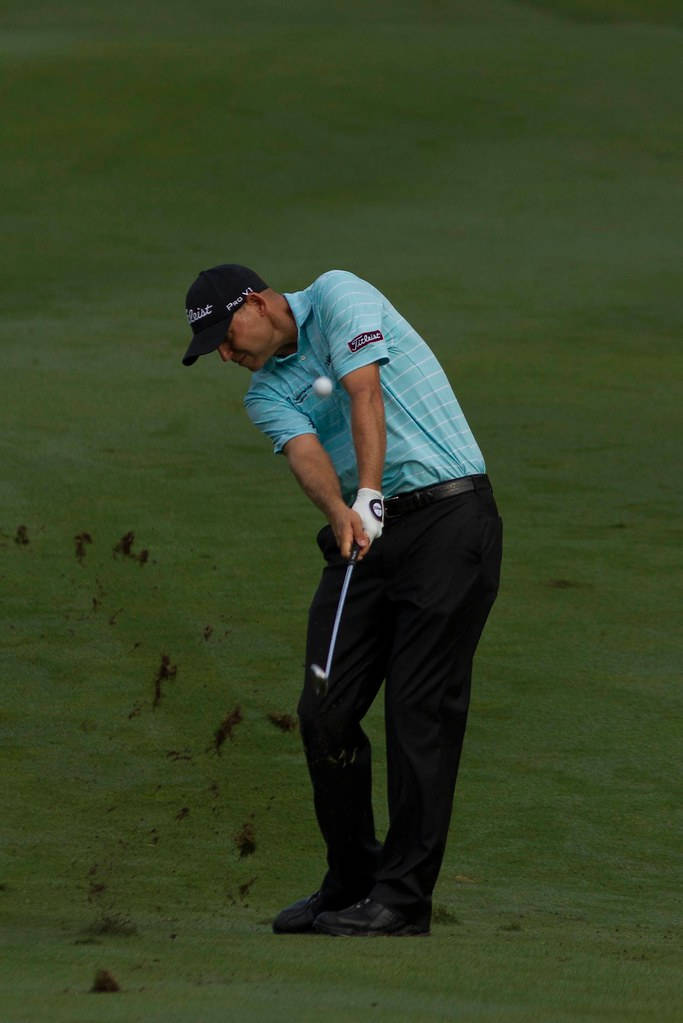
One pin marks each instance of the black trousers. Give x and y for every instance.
(414, 613)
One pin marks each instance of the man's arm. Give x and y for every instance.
(313, 469)
(367, 424)
(316, 474)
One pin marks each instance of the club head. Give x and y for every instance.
(319, 676)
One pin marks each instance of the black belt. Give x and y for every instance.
(414, 499)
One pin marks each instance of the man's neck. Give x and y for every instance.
(287, 327)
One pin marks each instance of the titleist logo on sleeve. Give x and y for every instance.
(356, 343)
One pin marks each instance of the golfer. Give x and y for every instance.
(390, 460)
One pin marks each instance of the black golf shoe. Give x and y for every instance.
(298, 918)
(367, 919)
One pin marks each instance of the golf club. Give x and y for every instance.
(320, 675)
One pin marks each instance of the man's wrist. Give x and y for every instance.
(369, 494)
(369, 505)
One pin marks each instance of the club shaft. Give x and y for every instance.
(340, 608)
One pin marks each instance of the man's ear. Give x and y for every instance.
(257, 301)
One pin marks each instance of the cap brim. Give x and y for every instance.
(206, 341)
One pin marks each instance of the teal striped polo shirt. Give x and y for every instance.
(345, 323)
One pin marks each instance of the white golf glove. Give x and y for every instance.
(369, 504)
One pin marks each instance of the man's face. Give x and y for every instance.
(249, 341)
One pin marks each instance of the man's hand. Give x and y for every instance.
(347, 527)
(369, 505)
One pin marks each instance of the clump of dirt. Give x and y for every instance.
(97, 600)
(21, 537)
(81, 539)
(225, 729)
(104, 981)
(564, 584)
(124, 548)
(113, 924)
(96, 889)
(442, 915)
(108, 920)
(245, 840)
(125, 545)
(244, 889)
(285, 722)
(166, 671)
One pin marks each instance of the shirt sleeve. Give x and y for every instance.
(351, 315)
(277, 418)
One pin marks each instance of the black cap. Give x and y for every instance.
(212, 301)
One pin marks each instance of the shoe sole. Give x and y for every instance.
(409, 931)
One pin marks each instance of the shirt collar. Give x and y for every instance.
(301, 307)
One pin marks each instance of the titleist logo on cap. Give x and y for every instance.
(198, 314)
(356, 343)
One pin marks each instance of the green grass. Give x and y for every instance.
(510, 175)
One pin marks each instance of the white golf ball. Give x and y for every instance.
(322, 387)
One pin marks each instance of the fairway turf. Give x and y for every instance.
(509, 174)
